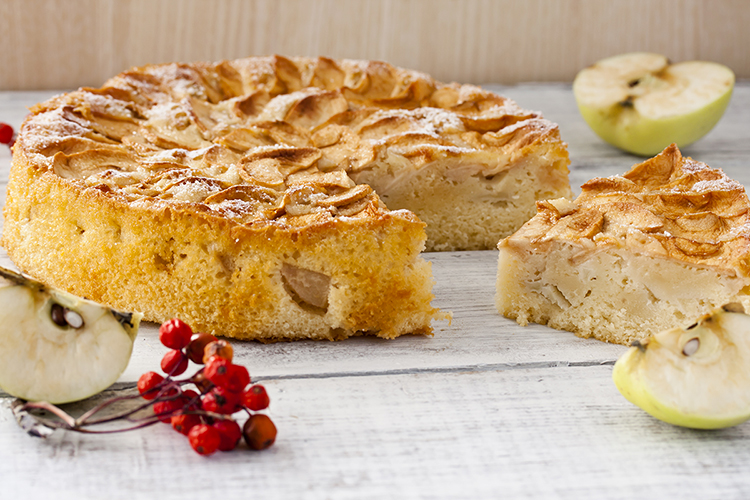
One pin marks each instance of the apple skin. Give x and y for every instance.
(647, 137)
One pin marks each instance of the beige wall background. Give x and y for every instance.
(53, 44)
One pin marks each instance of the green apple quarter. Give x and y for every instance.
(57, 347)
(641, 103)
(697, 377)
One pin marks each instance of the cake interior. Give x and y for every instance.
(616, 296)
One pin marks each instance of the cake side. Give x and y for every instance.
(320, 278)
(633, 255)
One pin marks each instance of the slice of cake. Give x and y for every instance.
(632, 255)
(246, 197)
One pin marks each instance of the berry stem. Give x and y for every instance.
(82, 423)
(146, 422)
(67, 420)
(117, 416)
(82, 420)
(162, 396)
(77, 424)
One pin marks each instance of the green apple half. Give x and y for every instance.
(57, 347)
(641, 103)
(696, 377)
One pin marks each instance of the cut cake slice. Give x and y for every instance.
(633, 255)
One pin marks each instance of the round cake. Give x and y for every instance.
(249, 197)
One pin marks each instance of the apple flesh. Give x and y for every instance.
(697, 377)
(641, 103)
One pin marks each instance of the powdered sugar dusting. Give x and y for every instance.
(234, 208)
(49, 128)
(164, 111)
(192, 190)
(723, 184)
(181, 79)
(429, 121)
(167, 155)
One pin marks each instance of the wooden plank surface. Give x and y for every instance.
(522, 433)
(485, 408)
(59, 43)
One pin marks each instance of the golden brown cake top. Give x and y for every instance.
(271, 138)
(668, 206)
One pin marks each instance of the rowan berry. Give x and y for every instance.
(259, 432)
(175, 334)
(197, 345)
(192, 399)
(220, 348)
(184, 422)
(148, 385)
(204, 439)
(6, 134)
(237, 378)
(229, 432)
(190, 394)
(220, 400)
(165, 410)
(255, 398)
(217, 371)
(201, 382)
(174, 362)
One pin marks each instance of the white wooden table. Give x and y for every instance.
(484, 409)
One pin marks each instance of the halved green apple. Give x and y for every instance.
(641, 103)
(696, 377)
(57, 347)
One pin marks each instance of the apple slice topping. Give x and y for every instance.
(57, 347)
(641, 103)
(696, 377)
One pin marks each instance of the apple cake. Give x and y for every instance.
(633, 255)
(248, 197)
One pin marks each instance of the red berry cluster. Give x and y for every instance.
(7, 136)
(221, 389)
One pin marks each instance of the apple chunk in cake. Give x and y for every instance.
(632, 255)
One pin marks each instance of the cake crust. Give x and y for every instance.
(633, 254)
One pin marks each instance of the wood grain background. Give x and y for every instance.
(53, 44)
